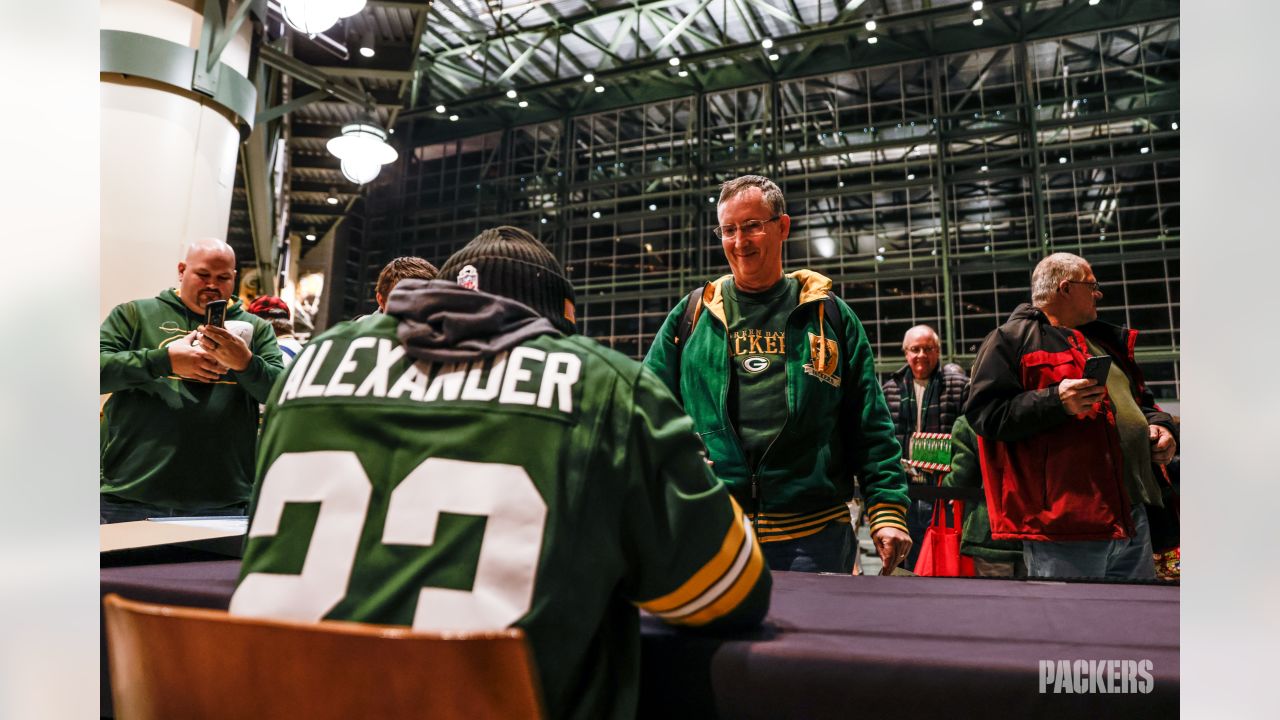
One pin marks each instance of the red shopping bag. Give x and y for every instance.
(940, 549)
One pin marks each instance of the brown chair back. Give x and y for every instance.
(174, 662)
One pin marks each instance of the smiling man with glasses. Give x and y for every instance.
(1068, 463)
(779, 378)
(923, 396)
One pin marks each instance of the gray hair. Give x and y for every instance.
(936, 340)
(772, 194)
(1050, 272)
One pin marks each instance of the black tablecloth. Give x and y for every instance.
(844, 646)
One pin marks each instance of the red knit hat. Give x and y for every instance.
(268, 306)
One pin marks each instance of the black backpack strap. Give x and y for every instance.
(832, 311)
(690, 317)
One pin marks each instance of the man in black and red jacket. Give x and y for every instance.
(1067, 463)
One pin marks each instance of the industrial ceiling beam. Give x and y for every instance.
(568, 24)
(949, 39)
(779, 13)
(680, 27)
(297, 69)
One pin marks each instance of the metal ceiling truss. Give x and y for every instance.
(1026, 204)
(645, 75)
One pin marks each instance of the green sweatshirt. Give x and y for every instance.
(837, 423)
(171, 442)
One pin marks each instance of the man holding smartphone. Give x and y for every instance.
(179, 430)
(1067, 459)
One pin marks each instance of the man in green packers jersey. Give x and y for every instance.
(466, 462)
(780, 381)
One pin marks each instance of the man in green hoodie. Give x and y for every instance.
(780, 381)
(179, 430)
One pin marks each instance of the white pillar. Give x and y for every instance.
(168, 157)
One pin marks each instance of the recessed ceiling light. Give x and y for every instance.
(1094, 2)
(982, 169)
(685, 73)
(453, 118)
(873, 40)
(673, 61)
(599, 88)
(596, 214)
(911, 176)
(773, 57)
(977, 5)
(766, 43)
(1062, 161)
(544, 221)
(512, 94)
(588, 78)
(871, 24)
(652, 207)
(524, 103)
(1174, 125)
(440, 109)
(977, 22)
(1144, 150)
(311, 236)
(331, 200)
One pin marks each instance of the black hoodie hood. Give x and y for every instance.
(444, 323)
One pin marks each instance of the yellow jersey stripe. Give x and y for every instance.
(747, 553)
(734, 595)
(715, 568)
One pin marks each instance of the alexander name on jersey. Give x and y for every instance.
(373, 367)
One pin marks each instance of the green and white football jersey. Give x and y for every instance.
(554, 487)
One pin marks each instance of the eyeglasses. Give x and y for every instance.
(1093, 284)
(922, 349)
(750, 228)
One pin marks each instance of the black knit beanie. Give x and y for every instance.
(510, 262)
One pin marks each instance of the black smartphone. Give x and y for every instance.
(215, 313)
(1097, 367)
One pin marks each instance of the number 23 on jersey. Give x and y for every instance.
(505, 572)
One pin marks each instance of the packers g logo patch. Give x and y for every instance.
(755, 364)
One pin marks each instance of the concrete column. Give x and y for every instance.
(168, 155)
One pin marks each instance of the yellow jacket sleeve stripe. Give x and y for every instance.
(771, 519)
(887, 514)
(840, 515)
